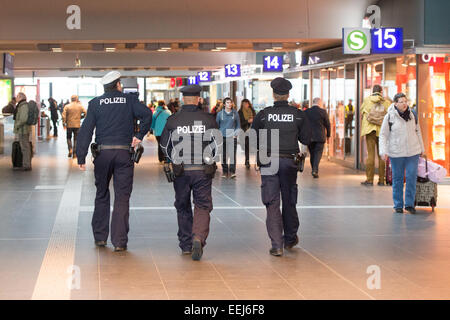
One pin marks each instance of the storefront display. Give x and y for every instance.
(5, 91)
(434, 106)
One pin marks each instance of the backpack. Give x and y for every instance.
(33, 113)
(391, 123)
(376, 114)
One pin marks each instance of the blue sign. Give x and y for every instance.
(387, 40)
(272, 63)
(232, 70)
(192, 80)
(204, 76)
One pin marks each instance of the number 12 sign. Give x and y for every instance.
(272, 63)
(232, 70)
(387, 40)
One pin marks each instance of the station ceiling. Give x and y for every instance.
(161, 36)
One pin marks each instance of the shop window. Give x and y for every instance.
(434, 106)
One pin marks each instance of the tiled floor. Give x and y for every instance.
(340, 239)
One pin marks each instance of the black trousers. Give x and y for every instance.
(315, 154)
(71, 131)
(282, 225)
(55, 128)
(227, 156)
(197, 224)
(247, 150)
(161, 156)
(116, 164)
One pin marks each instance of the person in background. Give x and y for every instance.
(349, 113)
(305, 105)
(371, 131)
(320, 131)
(22, 130)
(246, 116)
(217, 107)
(228, 121)
(10, 107)
(158, 122)
(71, 118)
(401, 141)
(54, 115)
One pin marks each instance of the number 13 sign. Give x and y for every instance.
(232, 70)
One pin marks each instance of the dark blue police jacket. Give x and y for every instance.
(112, 115)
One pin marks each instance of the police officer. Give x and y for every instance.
(184, 139)
(292, 126)
(112, 116)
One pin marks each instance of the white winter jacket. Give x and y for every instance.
(403, 139)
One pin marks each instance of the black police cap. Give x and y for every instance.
(191, 90)
(281, 86)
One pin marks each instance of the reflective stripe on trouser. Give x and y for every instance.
(372, 143)
(116, 164)
(285, 181)
(198, 224)
(399, 167)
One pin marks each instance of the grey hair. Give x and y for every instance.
(21, 96)
(316, 101)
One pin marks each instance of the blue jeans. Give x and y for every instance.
(399, 167)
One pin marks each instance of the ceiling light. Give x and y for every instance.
(165, 46)
(277, 46)
(151, 46)
(206, 46)
(259, 46)
(221, 46)
(412, 63)
(110, 49)
(56, 48)
(270, 50)
(162, 50)
(216, 50)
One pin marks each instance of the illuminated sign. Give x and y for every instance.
(387, 40)
(356, 40)
(192, 80)
(232, 70)
(272, 63)
(204, 76)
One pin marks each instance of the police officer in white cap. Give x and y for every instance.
(112, 116)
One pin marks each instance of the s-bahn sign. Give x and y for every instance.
(356, 40)
(372, 41)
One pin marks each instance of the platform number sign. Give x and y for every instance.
(272, 63)
(192, 80)
(387, 40)
(232, 70)
(204, 76)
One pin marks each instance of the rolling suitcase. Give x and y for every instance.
(16, 155)
(426, 191)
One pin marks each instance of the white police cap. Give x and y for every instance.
(110, 77)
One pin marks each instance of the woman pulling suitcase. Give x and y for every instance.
(401, 141)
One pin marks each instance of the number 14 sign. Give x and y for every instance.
(272, 63)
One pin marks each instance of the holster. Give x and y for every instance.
(210, 169)
(169, 174)
(137, 153)
(300, 161)
(178, 169)
(94, 150)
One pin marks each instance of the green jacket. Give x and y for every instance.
(368, 103)
(20, 124)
